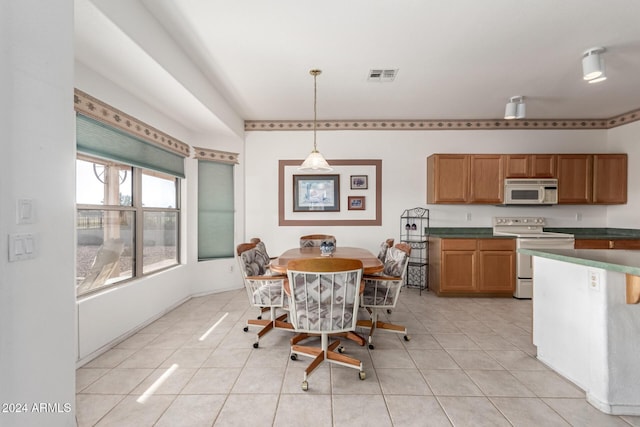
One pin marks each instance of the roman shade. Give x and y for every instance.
(215, 210)
(101, 140)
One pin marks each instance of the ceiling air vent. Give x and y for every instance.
(382, 75)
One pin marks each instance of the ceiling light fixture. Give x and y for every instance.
(516, 108)
(315, 161)
(593, 65)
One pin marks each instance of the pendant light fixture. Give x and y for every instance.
(315, 161)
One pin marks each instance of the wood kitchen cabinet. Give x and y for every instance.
(459, 260)
(479, 178)
(486, 175)
(530, 166)
(465, 178)
(472, 267)
(609, 179)
(497, 265)
(629, 244)
(447, 178)
(575, 178)
(592, 178)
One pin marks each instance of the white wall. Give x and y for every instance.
(627, 139)
(37, 326)
(404, 155)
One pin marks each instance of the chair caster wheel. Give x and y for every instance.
(259, 317)
(255, 345)
(294, 356)
(246, 329)
(371, 347)
(362, 375)
(388, 311)
(305, 386)
(407, 338)
(340, 349)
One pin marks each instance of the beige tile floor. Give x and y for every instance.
(470, 362)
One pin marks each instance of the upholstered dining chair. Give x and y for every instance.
(315, 240)
(384, 246)
(262, 255)
(324, 295)
(263, 259)
(263, 289)
(381, 292)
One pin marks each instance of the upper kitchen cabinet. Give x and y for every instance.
(465, 178)
(592, 178)
(479, 178)
(487, 178)
(530, 166)
(447, 178)
(575, 178)
(610, 178)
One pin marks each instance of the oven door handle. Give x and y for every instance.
(542, 195)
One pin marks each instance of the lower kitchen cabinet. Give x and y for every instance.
(497, 267)
(472, 267)
(459, 265)
(629, 244)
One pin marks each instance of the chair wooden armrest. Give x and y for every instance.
(277, 277)
(287, 288)
(381, 278)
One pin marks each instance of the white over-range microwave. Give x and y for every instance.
(530, 191)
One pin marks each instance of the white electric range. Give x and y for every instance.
(530, 234)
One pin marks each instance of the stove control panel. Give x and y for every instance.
(515, 221)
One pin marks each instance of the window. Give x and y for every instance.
(215, 210)
(123, 233)
(128, 211)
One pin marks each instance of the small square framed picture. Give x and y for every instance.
(359, 182)
(356, 203)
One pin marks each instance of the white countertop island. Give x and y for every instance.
(586, 322)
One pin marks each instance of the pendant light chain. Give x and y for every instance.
(315, 106)
(315, 161)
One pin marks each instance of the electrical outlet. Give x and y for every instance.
(578, 216)
(231, 268)
(594, 280)
(468, 216)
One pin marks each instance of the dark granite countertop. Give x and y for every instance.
(579, 233)
(464, 233)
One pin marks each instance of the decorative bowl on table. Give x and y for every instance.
(327, 248)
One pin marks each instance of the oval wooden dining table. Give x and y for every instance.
(370, 263)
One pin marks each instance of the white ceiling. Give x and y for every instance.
(213, 63)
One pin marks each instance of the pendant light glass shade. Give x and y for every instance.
(315, 161)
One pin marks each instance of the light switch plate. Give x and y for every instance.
(22, 246)
(24, 211)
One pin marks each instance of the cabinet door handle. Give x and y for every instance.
(611, 245)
